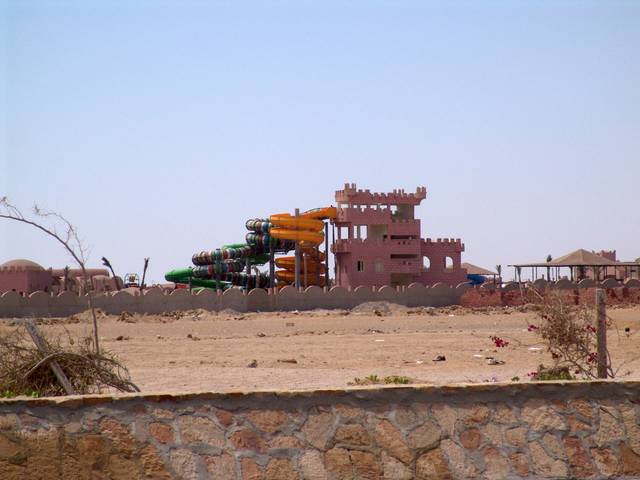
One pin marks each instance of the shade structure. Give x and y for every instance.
(579, 261)
(476, 270)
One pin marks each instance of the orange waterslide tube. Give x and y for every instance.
(289, 222)
(313, 238)
(289, 276)
(324, 213)
(289, 263)
(307, 229)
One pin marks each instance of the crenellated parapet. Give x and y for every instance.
(445, 243)
(354, 196)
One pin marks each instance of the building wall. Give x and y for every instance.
(391, 252)
(492, 431)
(24, 281)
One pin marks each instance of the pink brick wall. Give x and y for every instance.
(24, 281)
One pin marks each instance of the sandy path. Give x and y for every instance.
(330, 348)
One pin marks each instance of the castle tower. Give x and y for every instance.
(378, 242)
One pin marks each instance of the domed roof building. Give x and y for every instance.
(22, 264)
(24, 276)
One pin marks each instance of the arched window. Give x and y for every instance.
(448, 263)
(426, 263)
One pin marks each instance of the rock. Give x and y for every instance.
(119, 435)
(251, 470)
(280, 469)
(246, 439)
(470, 439)
(152, 464)
(425, 437)
(184, 463)
(252, 364)
(540, 416)
(520, 463)
(610, 429)
(516, 436)
(579, 461)
(630, 461)
(318, 429)
(338, 463)
(545, 465)
(352, 435)
(432, 466)
(553, 445)
(393, 469)
(269, 421)
(390, 439)
(446, 417)
(496, 466)
(221, 466)
(200, 430)
(365, 465)
(161, 432)
(312, 466)
(606, 461)
(461, 465)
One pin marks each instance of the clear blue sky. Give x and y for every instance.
(160, 127)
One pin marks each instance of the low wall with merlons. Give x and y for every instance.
(491, 431)
(155, 300)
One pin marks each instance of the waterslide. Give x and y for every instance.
(230, 265)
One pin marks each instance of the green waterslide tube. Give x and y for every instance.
(185, 276)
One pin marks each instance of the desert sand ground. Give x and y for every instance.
(199, 350)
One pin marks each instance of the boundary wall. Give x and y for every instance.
(582, 293)
(155, 300)
(497, 431)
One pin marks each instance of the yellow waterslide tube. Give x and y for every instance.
(289, 263)
(307, 228)
(298, 229)
(288, 276)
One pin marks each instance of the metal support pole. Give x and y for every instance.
(326, 254)
(305, 260)
(248, 270)
(272, 266)
(296, 277)
(318, 265)
(218, 268)
(335, 257)
(601, 332)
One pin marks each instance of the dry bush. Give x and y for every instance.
(25, 370)
(569, 333)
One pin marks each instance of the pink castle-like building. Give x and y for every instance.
(378, 242)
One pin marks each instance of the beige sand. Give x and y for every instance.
(330, 348)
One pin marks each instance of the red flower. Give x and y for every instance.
(499, 342)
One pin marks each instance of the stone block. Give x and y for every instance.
(200, 430)
(432, 466)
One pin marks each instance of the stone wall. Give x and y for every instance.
(490, 431)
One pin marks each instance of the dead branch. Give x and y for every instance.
(25, 370)
(69, 239)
